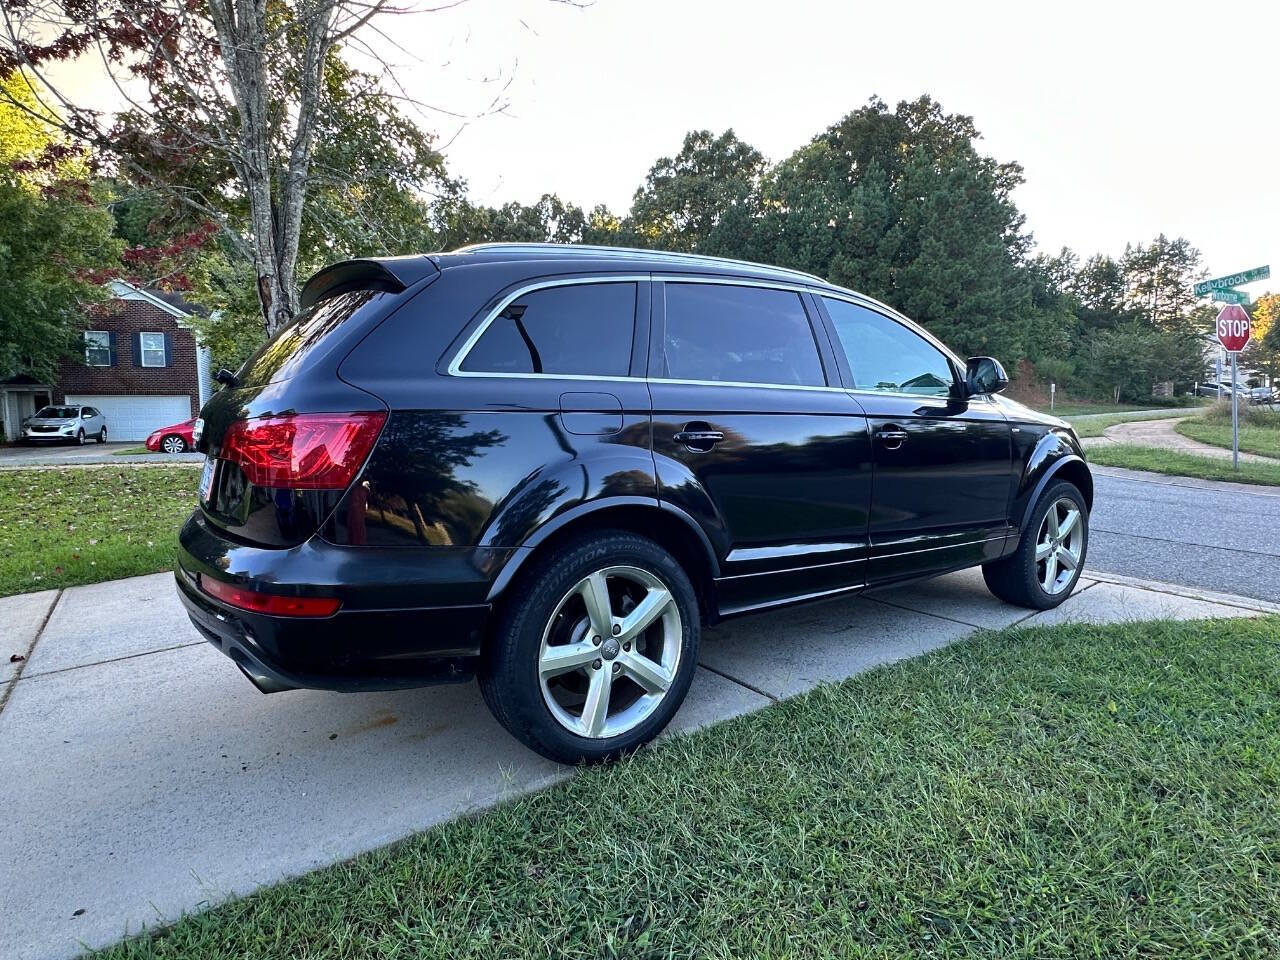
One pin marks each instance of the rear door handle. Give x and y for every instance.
(892, 439)
(699, 440)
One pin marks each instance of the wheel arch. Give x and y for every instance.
(667, 525)
(1070, 467)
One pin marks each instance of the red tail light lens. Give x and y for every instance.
(305, 451)
(269, 602)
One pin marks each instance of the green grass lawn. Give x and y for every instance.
(60, 527)
(1070, 409)
(1049, 792)
(1094, 426)
(1156, 460)
(1074, 409)
(1259, 429)
(132, 452)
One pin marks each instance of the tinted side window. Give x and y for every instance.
(736, 333)
(579, 330)
(885, 355)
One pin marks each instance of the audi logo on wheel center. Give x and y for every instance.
(1233, 327)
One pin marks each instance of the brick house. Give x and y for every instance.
(142, 367)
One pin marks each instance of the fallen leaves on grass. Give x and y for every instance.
(74, 525)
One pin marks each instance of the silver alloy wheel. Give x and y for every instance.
(1058, 546)
(610, 652)
(80, 437)
(173, 445)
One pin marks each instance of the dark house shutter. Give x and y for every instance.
(168, 349)
(137, 349)
(111, 346)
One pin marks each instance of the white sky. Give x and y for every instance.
(1130, 118)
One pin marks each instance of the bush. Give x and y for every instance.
(1250, 416)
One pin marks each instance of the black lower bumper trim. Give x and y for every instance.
(367, 650)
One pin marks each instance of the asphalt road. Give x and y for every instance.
(1207, 535)
(64, 454)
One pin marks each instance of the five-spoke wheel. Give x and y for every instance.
(1059, 545)
(610, 651)
(594, 647)
(1046, 565)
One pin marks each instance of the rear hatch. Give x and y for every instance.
(289, 437)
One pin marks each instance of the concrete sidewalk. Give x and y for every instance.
(141, 776)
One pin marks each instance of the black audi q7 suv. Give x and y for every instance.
(548, 467)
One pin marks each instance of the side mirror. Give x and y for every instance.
(226, 378)
(984, 375)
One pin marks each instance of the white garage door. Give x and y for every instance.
(132, 418)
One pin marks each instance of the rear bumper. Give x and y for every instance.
(345, 652)
(369, 644)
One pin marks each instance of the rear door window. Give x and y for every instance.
(573, 330)
(885, 356)
(740, 334)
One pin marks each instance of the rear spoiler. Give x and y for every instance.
(392, 274)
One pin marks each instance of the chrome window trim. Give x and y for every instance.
(455, 365)
(791, 286)
(743, 383)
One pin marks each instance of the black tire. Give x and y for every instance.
(508, 673)
(80, 436)
(172, 436)
(1015, 578)
(102, 434)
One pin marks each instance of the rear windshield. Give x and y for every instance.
(281, 356)
(59, 413)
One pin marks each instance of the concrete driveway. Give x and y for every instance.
(72, 454)
(141, 776)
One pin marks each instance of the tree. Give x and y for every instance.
(1158, 281)
(1100, 289)
(236, 94)
(1263, 352)
(55, 236)
(702, 199)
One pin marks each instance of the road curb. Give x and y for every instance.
(1173, 480)
(1189, 593)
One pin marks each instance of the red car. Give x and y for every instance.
(174, 439)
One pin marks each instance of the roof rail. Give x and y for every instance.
(601, 251)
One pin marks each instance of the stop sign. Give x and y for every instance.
(1233, 327)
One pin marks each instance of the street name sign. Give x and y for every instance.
(1233, 328)
(1231, 296)
(1234, 280)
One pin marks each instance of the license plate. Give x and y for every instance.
(206, 480)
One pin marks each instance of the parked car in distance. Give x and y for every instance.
(1213, 389)
(65, 424)
(1260, 395)
(549, 467)
(173, 439)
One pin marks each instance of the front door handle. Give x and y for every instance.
(891, 438)
(698, 437)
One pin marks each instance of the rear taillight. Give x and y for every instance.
(271, 603)
(304, 451)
